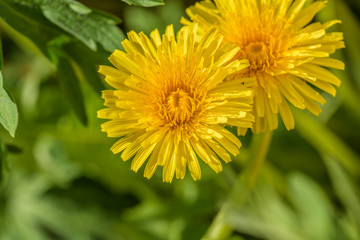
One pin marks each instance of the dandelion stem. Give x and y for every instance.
(219, 228)
(258, 150)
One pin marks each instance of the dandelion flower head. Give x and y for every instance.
(170, 101)
(287, 53)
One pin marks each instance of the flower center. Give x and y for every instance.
(262, 39)
(260, 55)
(254, 48)
(180, 107)
(177, 100)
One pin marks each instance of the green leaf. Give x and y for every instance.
(29, 22)
(36, 18)
(345, 188)
(57, 24)
(325, 141)
(88, 26)
(145, 3)
(1, 61)
(88, 64)
(265, 216)
(79, 8)
(71, 87)
(8, 111)
(315, 210)
(351, 28)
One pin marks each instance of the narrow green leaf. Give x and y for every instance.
(325, 141)
(351, 29)
(71, 87)
(145, 3)
(345, 188)
(88, 26)
(88, 64)
(1, 61)
(8, 111)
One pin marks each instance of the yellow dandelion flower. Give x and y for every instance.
(287, 55)
(170, 99)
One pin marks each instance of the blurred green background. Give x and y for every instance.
(60, 181)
